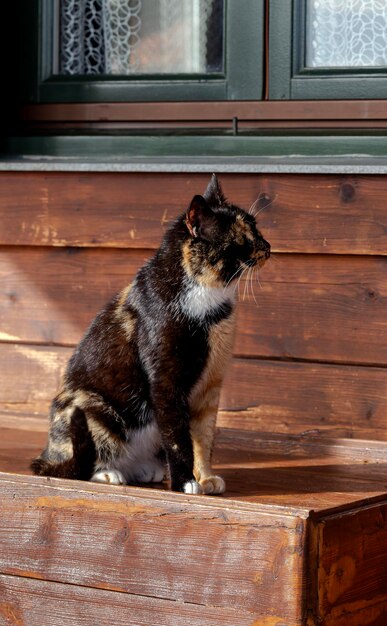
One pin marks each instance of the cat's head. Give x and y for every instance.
(223, 238)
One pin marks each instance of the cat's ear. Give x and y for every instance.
(200, 220)
(214, 194)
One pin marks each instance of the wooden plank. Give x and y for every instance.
(346, 575)
(243, 125)
(30, 374)
(51, 295)
(324, 214)
(319, 473)
(131, 210)
(206, 552)
(19, 447)
(93, 209)
(185, 111)
(268, 445)
(289, 473)
(31, 602)
(326, 308)
(342, 401)
(351, 582)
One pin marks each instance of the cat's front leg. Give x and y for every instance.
(202, 426)
(172, 417)
(178, 447)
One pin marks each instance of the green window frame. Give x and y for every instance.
(291, 79)
(242, 78)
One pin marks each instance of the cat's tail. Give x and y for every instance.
(81, 465)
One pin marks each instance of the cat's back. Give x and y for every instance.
(108, 345)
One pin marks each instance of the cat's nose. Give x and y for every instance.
(266, 248)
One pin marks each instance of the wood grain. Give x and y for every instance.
(19, 447)
(352, 572)
(51, 295)
(219, 110)
(108, 210)
(300, 213)
(344, 401)
(30, 374)
(297, 397)
(207, 553)
(245, 558)
(294, 473)
(324, 214)
(31, 602)
(326, 308)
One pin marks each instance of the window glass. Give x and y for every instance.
(346, 33)
(134, 37)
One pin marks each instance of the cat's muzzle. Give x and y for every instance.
(263, 253)
(266, 249)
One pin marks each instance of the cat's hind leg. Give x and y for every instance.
(85, 437)
(70, 451)
(108, 432)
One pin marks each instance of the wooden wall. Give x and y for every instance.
(311, 352)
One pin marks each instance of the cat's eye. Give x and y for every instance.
(248, 246)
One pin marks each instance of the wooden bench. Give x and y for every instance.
(300, 536)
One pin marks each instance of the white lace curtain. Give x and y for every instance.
(137, 36)
(346, 33)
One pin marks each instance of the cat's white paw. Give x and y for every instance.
(192, 487)
(213, 484)
(112, 477)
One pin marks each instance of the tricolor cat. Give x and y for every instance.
(140, 394)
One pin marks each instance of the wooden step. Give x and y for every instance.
(300, 537)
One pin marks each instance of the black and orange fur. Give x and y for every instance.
(141, 391)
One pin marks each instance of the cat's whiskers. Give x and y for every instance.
(251, 209)
(248, 280)
(251, 276)
(274, 257)
(254, 213)
(237, 285)
(257, 277)
(244, 268)
(255, 299)
(266, 206)
(252, 285)
(246, 285)
(240, 268)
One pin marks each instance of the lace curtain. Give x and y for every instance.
(140, 36)
(346, 33)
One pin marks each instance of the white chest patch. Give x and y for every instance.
(199, 300)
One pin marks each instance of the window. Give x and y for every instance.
(146, 50)
(233, 66)
(140, 37)
(328, 49)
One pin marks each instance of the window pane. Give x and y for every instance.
(134, 37)
(346, 33)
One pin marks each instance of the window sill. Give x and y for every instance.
(323, 154)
